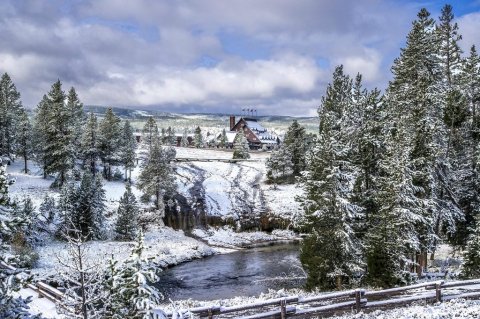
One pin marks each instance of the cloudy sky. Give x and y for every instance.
(207, 55)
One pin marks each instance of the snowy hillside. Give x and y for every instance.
(233, 191)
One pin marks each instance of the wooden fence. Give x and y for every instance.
(224, 160)
(339, 302)
(42, 289)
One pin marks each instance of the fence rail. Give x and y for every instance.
(42, 289)
(350, 300)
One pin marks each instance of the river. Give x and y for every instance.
(242, 273)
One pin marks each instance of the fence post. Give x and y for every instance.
(359, 293)
(283, 308)
(438, 291)
(210, 313)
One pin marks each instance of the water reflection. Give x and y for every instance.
(242, 273)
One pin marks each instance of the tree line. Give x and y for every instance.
(391, 176)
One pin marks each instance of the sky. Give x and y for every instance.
(219, 56)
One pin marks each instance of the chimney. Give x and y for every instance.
(232, 122)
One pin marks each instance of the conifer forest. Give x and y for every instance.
(126, 211)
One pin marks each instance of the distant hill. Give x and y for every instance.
(215, 121)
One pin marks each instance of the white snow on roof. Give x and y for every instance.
(255, 126)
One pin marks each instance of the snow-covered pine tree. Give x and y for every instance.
(241, 150)
(391, 237)
(150, 132)
(59, 151)
(48, 211)
(156, 178)
(10, 108)
(184, 142)
(83, 206)
(295, 142)
(331, 252)
(133, 295)
(453, 165)
(198, 137)
(170, 138)
(89, 144)
(127, 150)
(223, 139)
(471, 256)
(413, 101)
(109, 135)
(279, 165)
(468, 193)
(126, 226)
(40, 134)
(24, 147)
(77, 119)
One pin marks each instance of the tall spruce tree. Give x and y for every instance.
(126, 226)
(10, 110)
(89, 144)
(109, 135)
(76, 119)
(241, 150)
(469, 185)
(59, 150)
(156, 177)
(127, 149)
(150, 132)
(295, 141)
(198, 137)
(413, 103)
(83, 207)
(40, 134)
(24, 147)
(331, 252)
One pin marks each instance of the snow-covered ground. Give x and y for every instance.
(164, 247)
(458, 309)
(227, 237)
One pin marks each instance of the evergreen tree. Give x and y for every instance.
(279, 165)
(127, 150)
(89, 143)
(48, 209)
(127, 221)
(413, 100)
(468, 185)
(109, 135)
(198, 138)
(40, 134)
(156, 178)
(184, 142)
(133, 297)
(223, 139)
(295, 141)
(59, 150)
(24, 139)
(170, 138)
(150, 132)
(331, 252)
(83, 206)
(76, 119)
(10, 110)
(471, 265)
(240, 146)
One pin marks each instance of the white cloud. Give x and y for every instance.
(469, 25)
